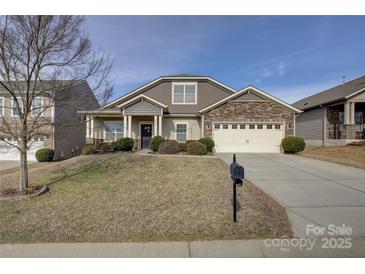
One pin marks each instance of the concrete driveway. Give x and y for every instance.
(312, 191)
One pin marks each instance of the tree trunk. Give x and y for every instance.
(23, 165)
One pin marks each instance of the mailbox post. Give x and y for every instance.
(238, 177)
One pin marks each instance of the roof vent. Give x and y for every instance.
(305, 104)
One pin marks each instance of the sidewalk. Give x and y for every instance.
(196, 249)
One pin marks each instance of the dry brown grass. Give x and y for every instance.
(347, 155)
(128, 197)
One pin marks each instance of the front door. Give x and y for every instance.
(146, 135)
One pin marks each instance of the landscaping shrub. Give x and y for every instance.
(292, 144)
(88, 149)
(181, 146)
(106, 147)
(208, 142)
(196, 148)
(123, 144)
(189, 141)
(156, 142)
(169, 147)
(44, 155)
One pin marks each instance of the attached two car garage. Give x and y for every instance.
(249, 121)
(251, 137)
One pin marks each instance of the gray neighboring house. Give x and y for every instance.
(334, 116)
(188, 107)
(65, 129)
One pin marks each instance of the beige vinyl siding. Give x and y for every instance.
(142, 108)
(193, 130)
(357, 97)
(309, 125)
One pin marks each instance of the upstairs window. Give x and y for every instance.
(184, 93)
(14, 109)
(37, 106)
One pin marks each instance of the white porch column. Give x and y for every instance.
(129, 126)
(154, 125)
(160, 125)
(125, 125)
(92, 127)
(346, 113)
(352, 113)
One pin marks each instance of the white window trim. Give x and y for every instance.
(41, 109)
(116, 122)
(3, 106)
(13, 105)
(184, 84)
(187, 129)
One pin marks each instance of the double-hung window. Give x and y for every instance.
(184, 93)
(113, 130)
(37, 106)
(359, 121)
(2, 106)
(181, 130)
(14, 108)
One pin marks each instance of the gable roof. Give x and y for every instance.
(162, 78)
(337, 93)
(142, 97)
(252, 89)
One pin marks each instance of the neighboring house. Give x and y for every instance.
(334, 116)
(63, 128)
(186, 107)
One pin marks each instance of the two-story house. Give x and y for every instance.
(186, 107)
(62, 128)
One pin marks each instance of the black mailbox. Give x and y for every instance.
(237, 173)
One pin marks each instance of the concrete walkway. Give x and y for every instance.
(312, 191)
(197, 249)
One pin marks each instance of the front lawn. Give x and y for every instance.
(127, 197)
(347, 155)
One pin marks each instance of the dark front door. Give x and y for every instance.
(146, 135)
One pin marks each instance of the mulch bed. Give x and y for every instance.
(30, 192)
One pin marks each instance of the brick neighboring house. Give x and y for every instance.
(334, 116)
(65, 127)
(187, 107)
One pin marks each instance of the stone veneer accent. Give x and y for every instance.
(249, 111)
(333, 127)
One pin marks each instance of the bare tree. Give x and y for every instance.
(40, 55)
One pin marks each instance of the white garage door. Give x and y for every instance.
(244, 137)
(9, 153)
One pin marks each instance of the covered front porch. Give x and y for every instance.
(345, 121)
(139, 119)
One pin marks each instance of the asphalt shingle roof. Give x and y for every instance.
(331, 95)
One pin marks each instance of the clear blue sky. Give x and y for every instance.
(287, 56)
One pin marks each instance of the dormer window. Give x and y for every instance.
(184, 93)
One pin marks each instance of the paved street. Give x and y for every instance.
(312, 191)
